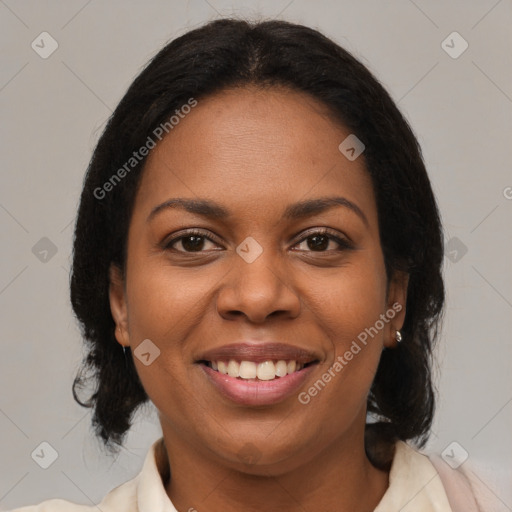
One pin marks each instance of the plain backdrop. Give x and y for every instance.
(52, 111)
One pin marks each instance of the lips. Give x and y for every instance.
(257, 374)
(259, 352)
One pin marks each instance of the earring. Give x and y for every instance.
(125, 359)
(398, 336)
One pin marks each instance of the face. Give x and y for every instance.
(269, 263)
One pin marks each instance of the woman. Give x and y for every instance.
(258, 252)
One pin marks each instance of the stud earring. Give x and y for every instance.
(398, 336)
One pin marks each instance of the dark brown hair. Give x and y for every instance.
(230, 53)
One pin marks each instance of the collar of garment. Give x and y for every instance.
(414, 485)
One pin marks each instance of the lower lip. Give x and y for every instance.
(264, 392)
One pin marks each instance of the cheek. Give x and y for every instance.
(162, 299)
(165, 305)
(350, 315)
(352, 300)
(160, 309)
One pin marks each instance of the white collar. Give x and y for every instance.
(151, 494)
(414, 485)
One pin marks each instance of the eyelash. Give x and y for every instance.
(343, 243)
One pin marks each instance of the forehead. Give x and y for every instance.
(251, 147)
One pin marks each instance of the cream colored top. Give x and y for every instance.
(414, 486)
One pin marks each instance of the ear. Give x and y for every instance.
(397, 299)
(118, 305)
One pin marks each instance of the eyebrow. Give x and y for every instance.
(210, 209)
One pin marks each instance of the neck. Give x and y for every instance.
(339, 478)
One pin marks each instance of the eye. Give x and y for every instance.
(196, 241)
(321, 240)
(192, 241)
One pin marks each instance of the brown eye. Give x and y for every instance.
(193, 241)
(321, 241)
(318, 242)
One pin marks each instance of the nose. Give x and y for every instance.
(258, 291)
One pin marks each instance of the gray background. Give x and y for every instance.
(52, 112)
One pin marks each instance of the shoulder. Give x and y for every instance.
(465, 488)
(55, 505)
(143, 493)
(122, 497)
(414, 484)
(125, 497)
(421, 481)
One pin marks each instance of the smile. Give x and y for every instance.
(243, 389)
(257, 374)
(252, 371)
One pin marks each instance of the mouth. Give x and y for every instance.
(257, 374)
(252, 371)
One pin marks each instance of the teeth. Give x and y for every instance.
(266, 371)
(233, 368)
(281, 368)
(249, 370)
(222, 366)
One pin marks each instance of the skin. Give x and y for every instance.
(256, 151)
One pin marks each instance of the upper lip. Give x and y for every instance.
(259, 352)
